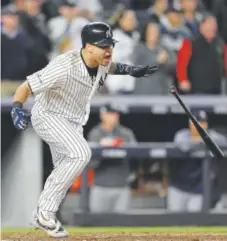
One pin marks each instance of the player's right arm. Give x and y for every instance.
(22, 93)
(20, 116)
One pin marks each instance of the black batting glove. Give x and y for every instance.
(135, 71)
(141, 71)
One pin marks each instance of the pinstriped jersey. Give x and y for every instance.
(65, 88)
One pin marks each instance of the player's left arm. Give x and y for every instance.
(135, 71)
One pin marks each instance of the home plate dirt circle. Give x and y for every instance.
(37, 236)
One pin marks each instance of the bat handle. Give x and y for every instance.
(173, 91)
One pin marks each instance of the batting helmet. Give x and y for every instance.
(97, 33)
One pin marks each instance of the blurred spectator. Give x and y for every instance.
(173, 29)
(65, 29)
(191, 15)
(157, 10)
(110, 191)
(206, 4)
(200, 4)
(33, 9)
(18, 4)
(49, 9)
(111, 4)
(185, 191)
(33, 23)
(206, 50)
(140, 5)
(123, 52)
(108, 4)
(154, 53)
(91, 8)
(14, 47)
(4, 2)
(112, 15)
(220, 11)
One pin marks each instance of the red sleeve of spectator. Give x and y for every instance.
(183, 59)
(225, 59)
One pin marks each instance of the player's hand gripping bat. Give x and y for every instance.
(211, 145)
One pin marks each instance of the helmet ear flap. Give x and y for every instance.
(83, 40)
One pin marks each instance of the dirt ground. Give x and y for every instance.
(33, 236)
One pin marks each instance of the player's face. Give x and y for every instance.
(102, 55)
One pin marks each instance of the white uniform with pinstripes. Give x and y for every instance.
(63, 91)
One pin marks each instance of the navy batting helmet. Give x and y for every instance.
(97, 33)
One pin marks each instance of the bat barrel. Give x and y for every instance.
(211, 145)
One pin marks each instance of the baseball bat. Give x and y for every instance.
(211, 145)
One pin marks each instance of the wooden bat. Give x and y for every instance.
(211, 145)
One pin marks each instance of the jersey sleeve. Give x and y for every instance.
(51, 77)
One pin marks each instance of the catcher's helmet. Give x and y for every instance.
(97, 33)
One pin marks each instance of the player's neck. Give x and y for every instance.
(91, 63)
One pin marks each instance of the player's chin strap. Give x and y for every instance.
(17, 104)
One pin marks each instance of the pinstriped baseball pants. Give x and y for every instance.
(70, 153)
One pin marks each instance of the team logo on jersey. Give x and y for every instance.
(108, 33)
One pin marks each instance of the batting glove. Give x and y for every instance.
(141, 71)
(19, 116)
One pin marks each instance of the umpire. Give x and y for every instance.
(110, 192)
(185, 191)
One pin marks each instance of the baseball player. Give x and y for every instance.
(63, 92)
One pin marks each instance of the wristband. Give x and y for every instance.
(17, 104)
